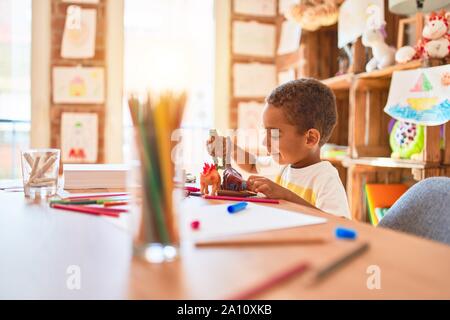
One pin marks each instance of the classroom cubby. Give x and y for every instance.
(370, 159)
(359, 175)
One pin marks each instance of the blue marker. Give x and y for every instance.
(344, 233)
(237, 207)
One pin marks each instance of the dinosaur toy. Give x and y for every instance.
(209, 176)
(232, 180)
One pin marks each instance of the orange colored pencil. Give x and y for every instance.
(115, 203)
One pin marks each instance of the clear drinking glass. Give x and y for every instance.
(40, 169)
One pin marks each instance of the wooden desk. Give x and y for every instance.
(37, 244)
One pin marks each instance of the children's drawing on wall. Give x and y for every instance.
(79, 33)
(420, 96)
(79, 137)
(78, 85)
(249, 124)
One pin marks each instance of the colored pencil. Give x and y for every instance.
(192, 189)
(118, 203)
(87, 201)
(88, 210)
(272, 282)
(333, 266)
(259, 200)
(259, 242)
(117, 210)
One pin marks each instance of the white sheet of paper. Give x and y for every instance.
(254, 39)
(82, 1)
(264, 8)
(286, 76)
(78, 85)
(215, 221)
(250, 115)
(79, 38)
(79, 137)
(253, 79)
(249, 125)
(353, 19)
(289, 38)
(284, 5)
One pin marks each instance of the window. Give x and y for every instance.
(170, 44)
(15, 99)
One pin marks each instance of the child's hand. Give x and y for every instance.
(218, 146)
(267, 187)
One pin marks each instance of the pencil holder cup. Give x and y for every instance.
(158, 240)
(40, 168)
(156, 119)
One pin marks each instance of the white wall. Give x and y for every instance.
(40, 74)
(40, 78)
(114, 62)
(222, 61)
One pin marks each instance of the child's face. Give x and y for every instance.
(283, 140)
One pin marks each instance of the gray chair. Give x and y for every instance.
(424, 210)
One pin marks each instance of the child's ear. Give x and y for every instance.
(312, 137)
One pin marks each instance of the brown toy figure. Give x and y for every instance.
(208, 177)
(232, 180)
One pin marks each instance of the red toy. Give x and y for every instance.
(209, 176)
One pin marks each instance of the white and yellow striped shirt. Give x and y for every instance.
(319, 184)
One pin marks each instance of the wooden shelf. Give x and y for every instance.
(341, 82)
(386, 162)
(344, 82)
(387, 72)
(288, 61)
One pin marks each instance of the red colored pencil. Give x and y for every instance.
(89, 210)
(260, 200)
(192, 189)
(98, 196)
(271, 282)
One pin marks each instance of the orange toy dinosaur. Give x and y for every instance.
(209, 176)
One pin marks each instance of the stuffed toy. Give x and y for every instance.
(313, 14)
(383, 55)
(406, 140)
(435, 42)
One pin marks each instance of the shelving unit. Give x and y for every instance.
(362, 124)
(247, 59)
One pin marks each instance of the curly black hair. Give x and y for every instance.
(307, 103)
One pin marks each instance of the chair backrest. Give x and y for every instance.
(424, 210)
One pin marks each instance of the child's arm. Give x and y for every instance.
(274, 191)
(245, 160)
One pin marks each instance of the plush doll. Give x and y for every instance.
(435, 42)
(313, 14)
(436, 33)
(383, 55)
